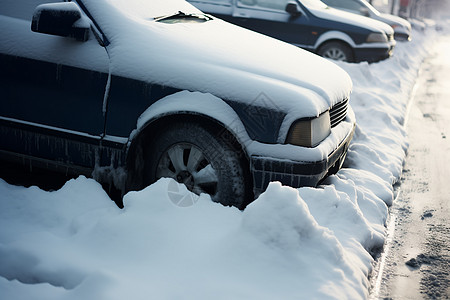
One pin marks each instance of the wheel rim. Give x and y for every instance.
(187, 164)
(336, 54)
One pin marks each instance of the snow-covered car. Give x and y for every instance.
(402, 28)
(129, 91)
(309, 24)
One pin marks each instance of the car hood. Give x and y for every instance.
(394, 20)
(338, 15)
(216, 57)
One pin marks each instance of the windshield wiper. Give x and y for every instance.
(182, 15)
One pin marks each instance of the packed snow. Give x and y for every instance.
(307, 243)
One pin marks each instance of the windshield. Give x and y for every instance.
(314, 4)
(153, 9)
(370, 7)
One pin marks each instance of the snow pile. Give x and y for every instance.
(310, 243)
(76, 243)
(379, 99)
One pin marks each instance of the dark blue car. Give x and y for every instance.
(128, 92)
(309, 24)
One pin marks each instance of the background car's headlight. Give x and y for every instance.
(377, 38)
(309, 133)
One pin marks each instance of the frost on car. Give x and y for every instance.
(129, 91)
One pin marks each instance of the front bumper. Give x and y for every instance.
(296, 173)
(402, 36)
(372, 54)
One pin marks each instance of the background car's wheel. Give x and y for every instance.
(336, 51)
(203, 161)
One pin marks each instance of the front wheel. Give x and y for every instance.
(203, 161)
(337, 51)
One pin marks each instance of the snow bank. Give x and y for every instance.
(76, 242)
(380, 98)
(310, 243)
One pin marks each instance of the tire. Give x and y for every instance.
(337, 51)
(203, 161)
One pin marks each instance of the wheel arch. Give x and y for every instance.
(155, 126)
(334, 36)
(351, 54)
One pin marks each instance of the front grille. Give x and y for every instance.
(338, 112)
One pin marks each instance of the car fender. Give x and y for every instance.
(197, 104)
(181, 106)
(334, 35)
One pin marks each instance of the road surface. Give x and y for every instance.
(416, 261)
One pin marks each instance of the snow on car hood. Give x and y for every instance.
(394, 20)
(150, 9)
(351, 18)
(215, 57)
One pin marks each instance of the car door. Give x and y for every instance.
(52, 90)
(270, 18)
(264, 16)
(348, 5)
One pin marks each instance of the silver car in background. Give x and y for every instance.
(402, 28)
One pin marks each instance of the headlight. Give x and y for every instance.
(377, 38)
(309, 133)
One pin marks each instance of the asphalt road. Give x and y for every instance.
(416, 260)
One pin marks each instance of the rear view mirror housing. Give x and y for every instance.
(61, 19)
(364, 11)
(293, 10)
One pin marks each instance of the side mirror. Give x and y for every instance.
(62, 19)
(364, 11)
(293, 10)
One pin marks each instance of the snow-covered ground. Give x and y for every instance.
(307, 243)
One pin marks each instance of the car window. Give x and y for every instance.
(367, 5)
(345, 4)
(21, 9)
(271, 4)
(216, 1)
(144, 9)
(314, 4)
